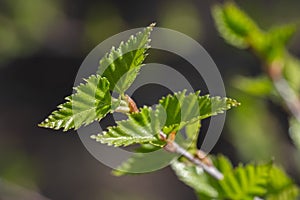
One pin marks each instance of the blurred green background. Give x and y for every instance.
(42, 44)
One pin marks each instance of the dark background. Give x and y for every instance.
(42, 45)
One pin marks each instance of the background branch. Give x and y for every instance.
(288, 95)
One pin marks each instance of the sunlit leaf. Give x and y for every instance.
(91, 101)
(242, 182)
(281, 187)
(233, 24)
(245, 182)
(141, 127)
(192, 132)
(171, 114)
(182, 109)
(282, 34)
(148, 157)
(121, 65)
(196, 178)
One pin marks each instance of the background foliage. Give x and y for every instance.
(39, 59)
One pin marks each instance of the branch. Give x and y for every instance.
(289, 96)
(283, 88)
(173, 147)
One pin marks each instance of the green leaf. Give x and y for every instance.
(245, 182)
(239, 30)
(222, 163)
(192, 132)
(282, 34)
(196, 178)
(271, 46)
(182, 109)
(281, 187)
(257, 86)
(172, 113)
(148, 157)
(121, 65)
(142, 127)
(234, 25)
(92, 101)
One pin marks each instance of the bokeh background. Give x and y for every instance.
(42, 44)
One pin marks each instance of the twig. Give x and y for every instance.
(173, 147)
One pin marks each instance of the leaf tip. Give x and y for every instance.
(41, 124)
(117, 173)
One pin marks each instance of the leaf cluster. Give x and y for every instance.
(176, 113)
(270, 46)
(266, 181)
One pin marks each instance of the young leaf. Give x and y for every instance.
(92, 101)
(196, 178)
(273, 46)
(192, 132)
(172, 113)
(141, 127)
(281, 187)
(121, 65)
(182, 109)
(233, 24)
(149, 157)
(241, 31)
(222, 163)
(245, 182)
(282, 34)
